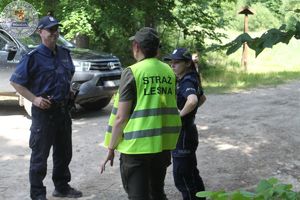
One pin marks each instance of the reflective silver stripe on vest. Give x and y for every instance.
(109, 129)
(154, 112)
(145, 133)
(151, 132)
(150, 112)
(114, 110)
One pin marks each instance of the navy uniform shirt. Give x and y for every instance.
(188, 138)
(187, 85)
(45, 73)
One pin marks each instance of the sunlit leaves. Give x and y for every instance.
(258, 44)
(78, 22)
(269, 189)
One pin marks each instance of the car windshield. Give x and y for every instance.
(34, 40)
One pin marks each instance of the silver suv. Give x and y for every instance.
(96, 75)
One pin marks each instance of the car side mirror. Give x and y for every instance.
(12, 50)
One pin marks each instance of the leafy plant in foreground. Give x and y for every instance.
(269, 189)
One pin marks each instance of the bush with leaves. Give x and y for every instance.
(78, 22)
(269, 189)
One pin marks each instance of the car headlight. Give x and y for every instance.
(81, 66)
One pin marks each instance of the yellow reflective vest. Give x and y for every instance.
(154, 124)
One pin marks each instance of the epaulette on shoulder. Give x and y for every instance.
(188, 77)
(31, 52)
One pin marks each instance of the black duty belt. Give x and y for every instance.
(61, 104)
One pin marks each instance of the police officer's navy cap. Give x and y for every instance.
(147, 37)
(179, 54)
(48, 22)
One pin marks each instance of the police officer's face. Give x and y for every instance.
(50, 34)
(179, 67)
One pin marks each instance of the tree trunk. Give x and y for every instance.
(81, 41)
(50, 7)
(149, 20)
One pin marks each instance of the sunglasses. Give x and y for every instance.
(52, 29)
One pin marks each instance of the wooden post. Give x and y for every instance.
(244, 62)
(245, 46)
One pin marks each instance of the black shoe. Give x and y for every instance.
(42, 197)
(70, 193)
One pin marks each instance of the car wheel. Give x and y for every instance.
(97, 105)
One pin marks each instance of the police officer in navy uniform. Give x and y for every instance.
(189, 97)
(43, 76)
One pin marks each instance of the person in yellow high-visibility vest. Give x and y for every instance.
(144, 124)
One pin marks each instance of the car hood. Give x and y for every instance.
(87, 54)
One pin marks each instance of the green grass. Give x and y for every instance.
(226, 81)
(223, 74)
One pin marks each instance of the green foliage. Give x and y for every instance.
(220, 79)
(272, 36)
(224, 74)
(3, 3)
(108, 24)
(198, 20)
(291, 9)
(258, 44)
(189, 23)
(263, 18)
(269, 189)
(77, 23)
(272, 5)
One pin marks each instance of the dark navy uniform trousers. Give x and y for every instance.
(185, 172)
(50, 127)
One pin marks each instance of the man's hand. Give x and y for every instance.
(110, 157)
(41, 102)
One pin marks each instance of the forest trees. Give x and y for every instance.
(288, 11)
(106, 25)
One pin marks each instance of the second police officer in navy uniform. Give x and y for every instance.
(189, 97)
(43, 77)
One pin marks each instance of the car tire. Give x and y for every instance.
(96, 105)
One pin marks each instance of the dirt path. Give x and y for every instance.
(249, 136)
(244, 137)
